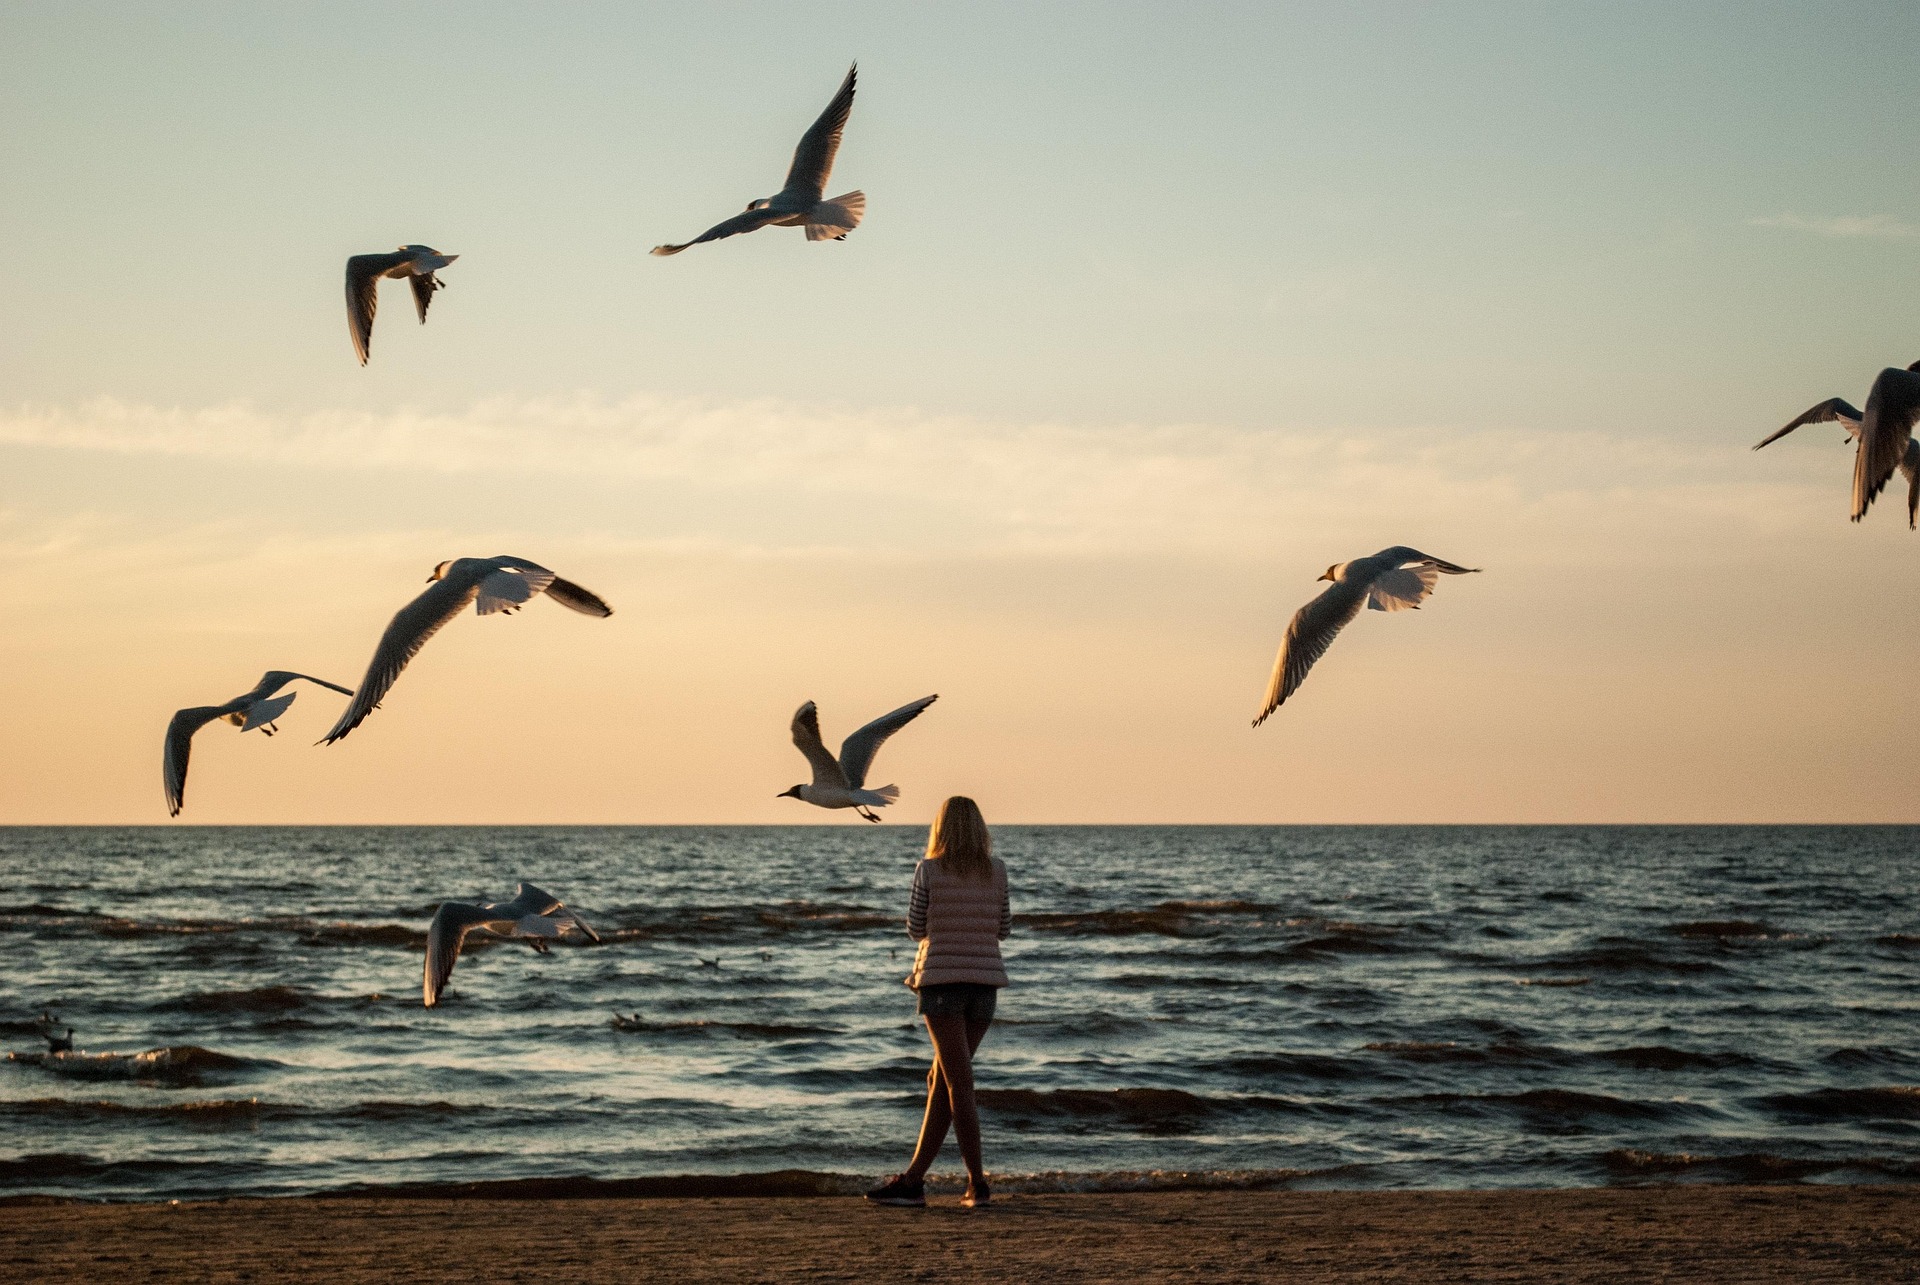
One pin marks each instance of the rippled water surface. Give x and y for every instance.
(1341, 1006)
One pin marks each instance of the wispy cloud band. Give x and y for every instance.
(1882, 226)
(770, 474)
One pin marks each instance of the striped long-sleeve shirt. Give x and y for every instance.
(959, 924)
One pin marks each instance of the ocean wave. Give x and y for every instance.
(1875, 1055)
(1346, 943)
(1175, 981)
(1908, 940)
(706, 1026)
(1164, 919)
(250, 1111)
(1346, 927)
(741, 924)
(263, 999)
(80, 1111)
(113, 926)
(1748, 1166)
(1658, 1057)
(1129, 1106)
(1565, 1103)
(1623, 956)
(312, 932)
(809, 1182)
(1719, 929)
(1158, 922)
(67, 1166)
(1128, 1180)
(184, 1064)
(774, 1184)
(1082, 1024)
(1501, 1054)
(38, 910)
(1321, 951)
(860, 919)
(1885, 1102)
(1312, 1066)
(397, 936)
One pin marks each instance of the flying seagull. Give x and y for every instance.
(800, 202)
(532, 914)
(841, 782)
(491, 584)
(1885, 434)
(257, 708)
(417, 263)
(1391, 580)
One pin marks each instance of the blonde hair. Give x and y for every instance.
(959, 840)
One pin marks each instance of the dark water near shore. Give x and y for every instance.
(1402, 1006)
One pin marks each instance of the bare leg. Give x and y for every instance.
(950, 1101)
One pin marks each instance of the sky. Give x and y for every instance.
(1157, 312)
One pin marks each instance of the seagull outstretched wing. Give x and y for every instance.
(363, 295)
(1885, 429)
(173, 763)
(750, 221)
(857, 751)
(813, 158)
(806, 738)
(405, 635)
(448, 932)
(1309, 634)
(1833, 410)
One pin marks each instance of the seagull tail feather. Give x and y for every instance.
(831, 220)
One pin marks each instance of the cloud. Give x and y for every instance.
(1883, 226)
(766, 476)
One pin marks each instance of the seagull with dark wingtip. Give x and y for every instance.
(416, 263)
(1885, 434)
(802, 202)
(255, 709)
(842, 782)
(1396, 579)
(534, 915)
(502, 584)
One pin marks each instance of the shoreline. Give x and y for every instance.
(1769, 1233)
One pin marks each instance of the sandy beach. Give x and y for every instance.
(1632, 1234)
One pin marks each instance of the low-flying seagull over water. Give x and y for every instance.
(1393, 579)
(841, 782)
(417, 263)
(1884, 431)
(802, 203)
(533, 914)
(490, 584)
(257, 708)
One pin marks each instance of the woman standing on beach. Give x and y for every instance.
(959, 914)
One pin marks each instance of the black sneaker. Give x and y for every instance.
(978, 1196)
(898, 1191)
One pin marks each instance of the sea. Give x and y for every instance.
(1191, 1007)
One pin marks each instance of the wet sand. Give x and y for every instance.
(1761, 1234)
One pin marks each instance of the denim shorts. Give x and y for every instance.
(970, 1000)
